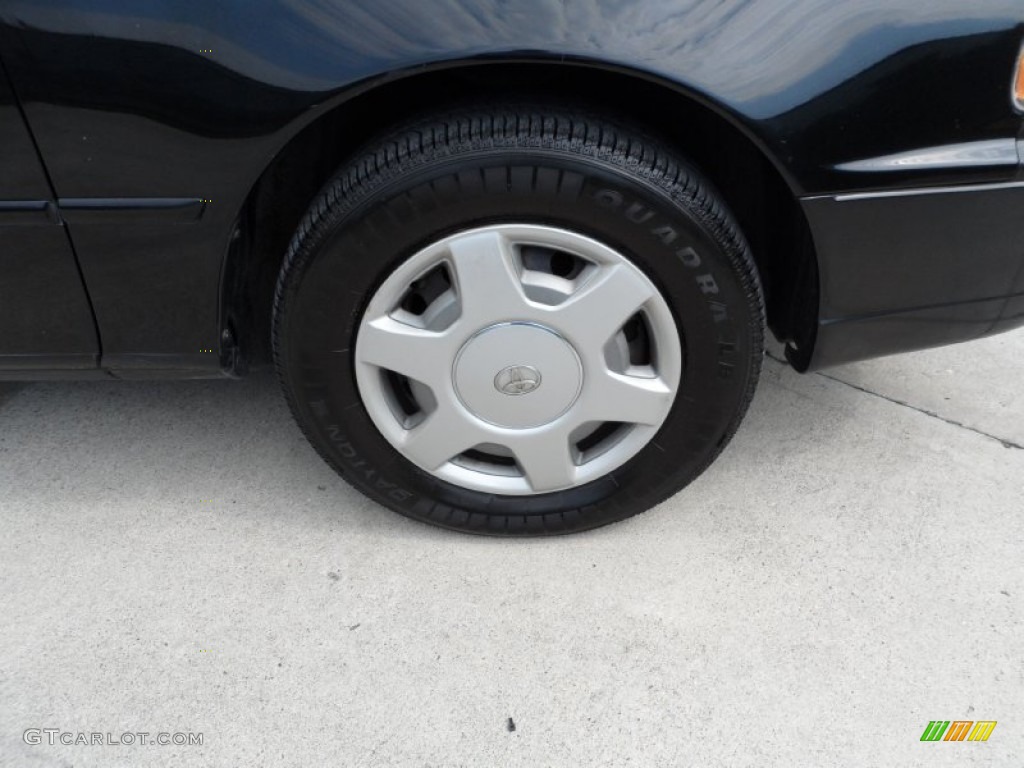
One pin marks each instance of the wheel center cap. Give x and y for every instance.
(517, 375)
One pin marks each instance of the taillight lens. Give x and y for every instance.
(1018, 83)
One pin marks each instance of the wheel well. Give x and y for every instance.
(756, 191)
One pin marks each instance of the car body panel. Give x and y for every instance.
(916, 268)
(45, 317)
(156, 119)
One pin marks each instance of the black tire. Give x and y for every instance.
(536, 164)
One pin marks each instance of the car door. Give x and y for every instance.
(45, 319)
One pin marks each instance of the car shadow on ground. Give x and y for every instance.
(209, 445)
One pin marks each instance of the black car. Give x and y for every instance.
(512, 260)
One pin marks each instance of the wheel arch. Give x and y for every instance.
(757, 188)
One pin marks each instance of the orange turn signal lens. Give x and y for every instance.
(1018, 83)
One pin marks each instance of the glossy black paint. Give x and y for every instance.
(917, 269)
(45, 319)
(157, 119)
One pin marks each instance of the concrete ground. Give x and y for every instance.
(175, 558)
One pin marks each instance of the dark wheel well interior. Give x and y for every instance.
(767, 209)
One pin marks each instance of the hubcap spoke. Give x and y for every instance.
(414, 352)
(488, 284)
(610, 396)
(545, 459)
(442, 436)
(593, 315)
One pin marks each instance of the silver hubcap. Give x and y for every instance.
(518, 359)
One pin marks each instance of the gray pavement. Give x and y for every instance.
(175, 558)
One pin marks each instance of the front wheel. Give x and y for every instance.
(518, 321)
